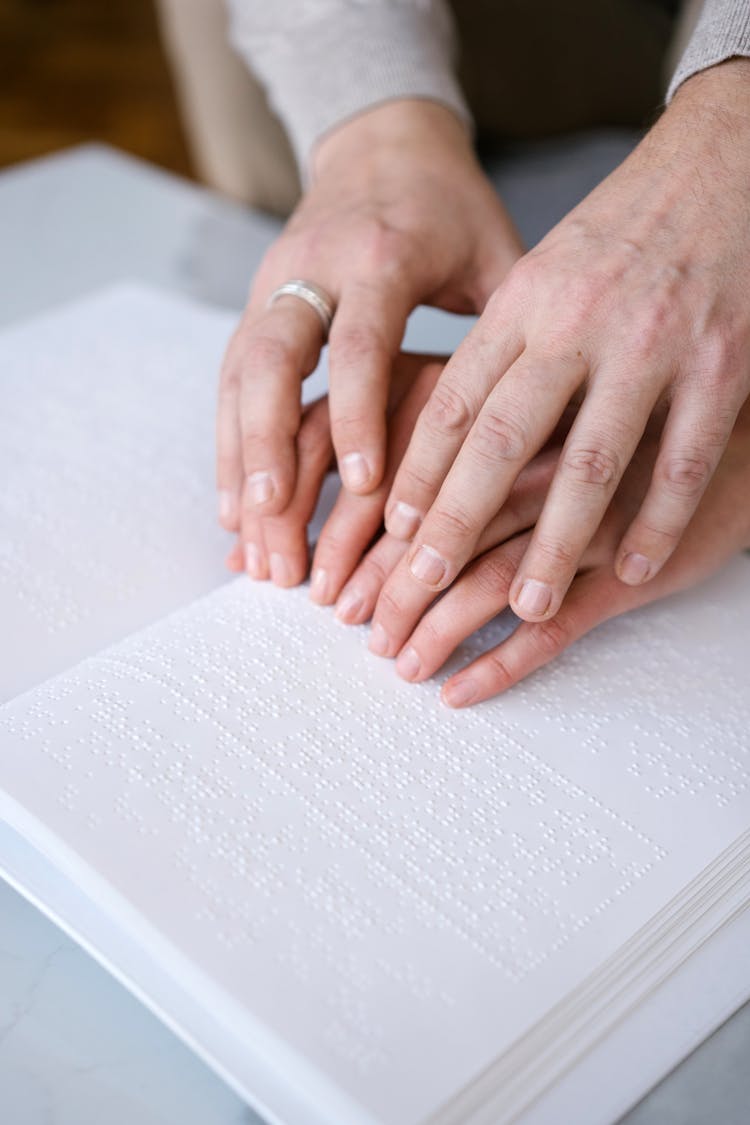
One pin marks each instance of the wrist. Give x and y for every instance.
(703, 136)
(715, 102)
(723, 89)
(387, 131)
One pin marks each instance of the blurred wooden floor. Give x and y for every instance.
(79, 70)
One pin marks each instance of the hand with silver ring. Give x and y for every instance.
(315, 297)
(276, 547)
(399, 213)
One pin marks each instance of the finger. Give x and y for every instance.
(596, 453)
(522, 508)
(229, 468)
(592, 599)
(515, 422)
(365, 338)
(444, 423)
(274, 353)
(235, 560)
(253, 547)
(357, 600)
(693, 441)
(354, 521)
(285, 535)
(478, 596)
(515, 517)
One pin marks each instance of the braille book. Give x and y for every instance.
(359, 907)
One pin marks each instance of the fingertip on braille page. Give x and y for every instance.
(403, 520)
(459, 693)
(378, 642)
(261, 486)
(349, 605)
(280, 571)
(408, 664)
(634, 569)
(253, 560)
(319, 585)
(355, 470)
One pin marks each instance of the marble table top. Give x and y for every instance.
(75, 1047)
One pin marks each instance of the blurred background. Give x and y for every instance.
(72, 70)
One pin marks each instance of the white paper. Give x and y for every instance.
(395, 891)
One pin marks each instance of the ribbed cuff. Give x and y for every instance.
(333, 65)
(722, 32)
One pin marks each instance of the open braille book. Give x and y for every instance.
(359, 907)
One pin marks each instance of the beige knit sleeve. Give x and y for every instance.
(324, 61)
(722, 32)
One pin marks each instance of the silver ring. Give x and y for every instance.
(315, 297)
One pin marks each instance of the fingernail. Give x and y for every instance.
(253, 561)
(261, 487)
(534, 598)
(279, 570)
(378, 642)
(403, 520)
(348, 605)
(459, 693)
(428, 566)
(355, 472)
(634, 569)
(408, 663)
(226, 504)
(319, 584)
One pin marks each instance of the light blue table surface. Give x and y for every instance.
(75, 1047)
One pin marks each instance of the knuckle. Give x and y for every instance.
(255, 448)
(720, 356)
(389, 606)
(446, 411)
(453, 522)
(432, 637)
(556, 552)
(266, 351)
(375, 569)
(494, 575)
(383, 248)
(651, 328)
(354, 345)
(667, 533)
(596, 466)
(497, 437)
(549, 637)
(685, 474)
(500, 674)
(314, 439)
(413, 481)
(352, 423)
(524, 274)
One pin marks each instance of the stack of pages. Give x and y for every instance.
(360, 907)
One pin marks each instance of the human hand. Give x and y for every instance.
(718, 529)
(399, 213)
(276, 546)
(638, 297)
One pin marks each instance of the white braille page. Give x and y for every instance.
(380, 895)
(107, 495)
